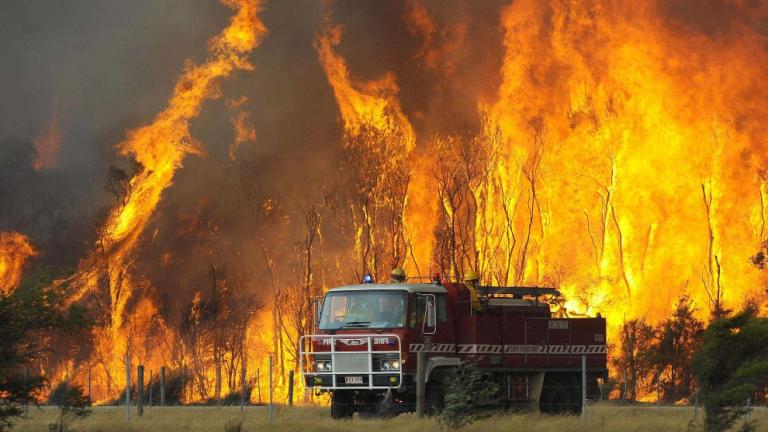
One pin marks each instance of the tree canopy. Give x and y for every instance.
(732, 366)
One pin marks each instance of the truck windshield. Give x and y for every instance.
(363, 309)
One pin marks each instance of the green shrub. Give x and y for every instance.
(469, 395)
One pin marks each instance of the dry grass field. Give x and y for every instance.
(194, 419)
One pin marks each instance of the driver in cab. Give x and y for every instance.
(361, 310)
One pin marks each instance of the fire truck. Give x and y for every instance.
(364, 351)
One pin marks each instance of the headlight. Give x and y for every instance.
(395, 365)
(387, 365)
(323, 366)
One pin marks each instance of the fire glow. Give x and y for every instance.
(15, 250)
(620, 160)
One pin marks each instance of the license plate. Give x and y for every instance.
(353, 380)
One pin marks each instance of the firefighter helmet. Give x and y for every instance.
(471, 276)
(398, 273)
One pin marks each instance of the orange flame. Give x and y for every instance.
(15, 250)
(241, 121)
(48, 143)
(159, 149)
(620, 160)
(632, 127)
(369, 104)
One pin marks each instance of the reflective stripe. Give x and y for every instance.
(510, 349)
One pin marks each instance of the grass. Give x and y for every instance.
(194, 419)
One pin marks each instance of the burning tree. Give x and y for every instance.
(677, 340)
(26, 316)
(634, 362)
(378, 139)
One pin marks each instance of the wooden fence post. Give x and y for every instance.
(258, 383)
(140, 390)
(243, 390)
(696, 406)
(127, 387)
(270, 388)
(162, 386)
(26, 389)
(290, 388)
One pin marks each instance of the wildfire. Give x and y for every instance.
(380, 139)
(620, 160)
(621, 157)
(638, 156)
(363, 104)
(15, 250)
(159, 149)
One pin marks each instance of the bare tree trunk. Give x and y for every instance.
(620, 240)
(713, 270)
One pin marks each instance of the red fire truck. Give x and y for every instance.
(369, 335)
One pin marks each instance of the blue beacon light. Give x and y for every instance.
(367, 279)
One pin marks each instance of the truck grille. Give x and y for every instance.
(351, 362)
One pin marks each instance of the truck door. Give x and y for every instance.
(435, 333)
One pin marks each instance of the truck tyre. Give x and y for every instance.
(366, 412)
(435, 399)
(558, 397)
(342, 406)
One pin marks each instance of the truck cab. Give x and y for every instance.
(360, 351)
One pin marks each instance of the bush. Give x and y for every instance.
(731, 366)
(73, 405)
(233, 397)
(175, 383)
(468, 397)
(29, 311)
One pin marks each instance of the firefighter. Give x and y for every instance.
(391, 311)
(397, 275)
(361, 310)
(472, 282)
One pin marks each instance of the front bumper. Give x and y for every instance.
(329, 381)
(353, 369)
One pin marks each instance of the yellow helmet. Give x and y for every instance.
(470, 276)
(398, 272)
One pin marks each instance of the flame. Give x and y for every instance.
(631, 127)
(15, 250)
(241, 121)
(379, 136)
(620, 159)
(363, 104)
(48, 143)
(159, 149)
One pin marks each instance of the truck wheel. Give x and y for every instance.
(558, 398)
(341, 406)
(367, 411)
